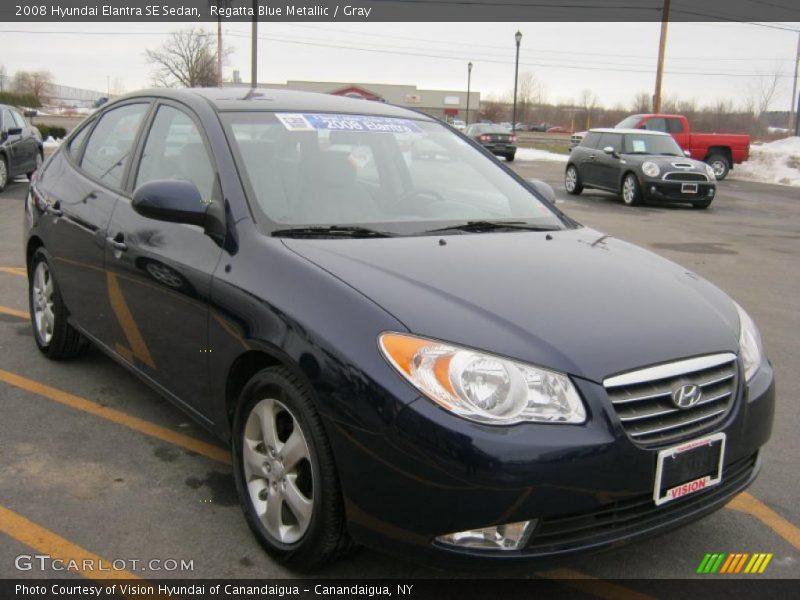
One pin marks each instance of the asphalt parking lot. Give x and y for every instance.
(93, 463)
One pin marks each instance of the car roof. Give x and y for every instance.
(636, 131)
(267, 99)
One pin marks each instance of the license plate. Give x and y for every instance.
(689, 468)
(500, 146)
(689, 188)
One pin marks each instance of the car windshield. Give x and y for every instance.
(645, 143)
(395, 176)
(628, 122)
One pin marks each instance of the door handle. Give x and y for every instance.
(591, 157)
(117, 243)
(54, 209)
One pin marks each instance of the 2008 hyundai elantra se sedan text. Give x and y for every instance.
(413, 351)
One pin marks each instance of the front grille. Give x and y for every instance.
(643, 399)
(677, 176)
(619, 519)
(575, 140)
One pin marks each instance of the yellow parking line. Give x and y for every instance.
(45, 541)
(22, 314)
(591, 585)
(21, 271)
(109, 414)
(751, 505)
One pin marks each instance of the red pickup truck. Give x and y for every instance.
(720, 150)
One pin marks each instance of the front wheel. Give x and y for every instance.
(701, 205)
(720, 165)
(631, 190)
(285, 473)
(3, 173)
(54, 337)
(572, 181)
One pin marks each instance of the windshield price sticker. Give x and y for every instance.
(323, 122)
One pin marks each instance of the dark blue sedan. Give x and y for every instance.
(405, 344)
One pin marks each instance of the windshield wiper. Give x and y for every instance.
(479, 226)
(332, 231)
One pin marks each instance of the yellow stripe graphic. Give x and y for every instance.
(765, 563)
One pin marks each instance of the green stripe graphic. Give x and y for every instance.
(718, 564)
(701, 568)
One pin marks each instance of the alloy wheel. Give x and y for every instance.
(571, 179)
(42, 302)
(719, 167)
(278, 471)
(3, 174)
(628, 190)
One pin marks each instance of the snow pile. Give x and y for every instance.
(536, 154)
(51, 144)
(776, 162)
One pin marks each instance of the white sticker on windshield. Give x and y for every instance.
(326, 122)
(639, 146)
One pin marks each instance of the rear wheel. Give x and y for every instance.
(510, 156)
(39, 160)
(701, 205)
(285, 473)
(55, 338)
(631, 190)
(720, 164)
(572, 181)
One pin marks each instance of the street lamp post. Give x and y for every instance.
(469, 81)
(518, 39)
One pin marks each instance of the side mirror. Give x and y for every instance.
(687, 153)
(543, 188)
(171, 200)
(610, 151)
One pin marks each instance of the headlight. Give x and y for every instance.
(483, 387)
(710, 173)
(650, 169)
(750, 346)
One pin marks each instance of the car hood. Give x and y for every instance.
(580, 302)
(667, 163)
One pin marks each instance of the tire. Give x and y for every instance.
(701, 205)
(631, 190)
(54, 337)
(572, 180)
(3, 173)
(315, 533)
(720, 164)
(39, 160)
(510, 156)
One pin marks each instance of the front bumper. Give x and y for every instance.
(673, 191)
(588, 486)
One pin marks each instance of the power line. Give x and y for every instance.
(494, 61)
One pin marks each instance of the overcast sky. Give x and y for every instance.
(614, 60)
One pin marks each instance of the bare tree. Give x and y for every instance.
(530, 93)
(2, 78)
(33, 83)
(587, 102)
(761, 92)
(186, 59)
(642, 103)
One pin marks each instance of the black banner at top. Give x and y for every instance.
(786, 12)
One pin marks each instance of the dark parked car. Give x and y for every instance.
(640, 166)
(418, 354)
(497, 139)
(20, 146)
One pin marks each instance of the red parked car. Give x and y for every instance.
(720, 150)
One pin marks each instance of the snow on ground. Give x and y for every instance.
(536, 154)
(51, 144)
(776, 162)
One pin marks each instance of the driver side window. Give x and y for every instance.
(109, 147)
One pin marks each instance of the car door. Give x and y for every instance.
(677, 128)
(81, 187)
(12, 144)
(607, 165)
(29, 143)
(587, 162)
(159, 272)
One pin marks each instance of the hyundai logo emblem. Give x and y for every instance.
(687, 396)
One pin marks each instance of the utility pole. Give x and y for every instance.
(661, 47)
(517, 39)
(219, 51)
(469, 80)
(254, 47)
(794, 120)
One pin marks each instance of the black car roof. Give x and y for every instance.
(266, 99)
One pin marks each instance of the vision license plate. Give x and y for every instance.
(689, 188)
(688, 468)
